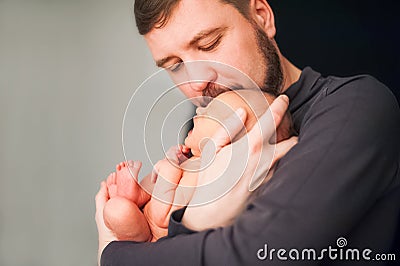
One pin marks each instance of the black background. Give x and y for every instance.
(342, 38)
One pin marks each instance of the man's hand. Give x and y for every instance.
(105, 235)
(236, 169)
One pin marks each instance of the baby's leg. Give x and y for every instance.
(126, 220)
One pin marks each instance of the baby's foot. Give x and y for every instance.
(126, 220)
(124, 183)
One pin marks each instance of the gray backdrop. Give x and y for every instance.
(67, 71)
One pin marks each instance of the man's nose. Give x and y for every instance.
(199, 74)
(198, 86)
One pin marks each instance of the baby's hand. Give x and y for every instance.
(169, 166)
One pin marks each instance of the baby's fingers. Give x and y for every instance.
(154, 175)
(177, 154)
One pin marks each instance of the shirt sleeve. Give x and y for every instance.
(345, 163)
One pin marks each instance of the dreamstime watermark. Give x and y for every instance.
(338, 252)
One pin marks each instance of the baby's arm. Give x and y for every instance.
(167, 177)
(158, 210)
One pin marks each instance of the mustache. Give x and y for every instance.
(212, 90)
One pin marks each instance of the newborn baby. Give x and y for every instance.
(132, 214)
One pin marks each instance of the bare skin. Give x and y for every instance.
(124, 213)
(126, 199)
(220, 139)
(235, 45)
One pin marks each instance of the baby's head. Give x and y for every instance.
(210, 118)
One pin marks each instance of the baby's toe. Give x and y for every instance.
(120, 166)
(136, 165)
(114, 178)
(130, 163)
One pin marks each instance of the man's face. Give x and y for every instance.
(208, 30)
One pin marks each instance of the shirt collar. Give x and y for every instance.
(302, 90)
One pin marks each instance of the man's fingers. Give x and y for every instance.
(278, 108)
(283, 147)
(270, 120)
(224, 135)
(102, 197)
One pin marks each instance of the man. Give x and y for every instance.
(341, 181)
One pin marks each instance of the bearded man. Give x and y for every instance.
(341, 180)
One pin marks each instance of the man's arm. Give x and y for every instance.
(346, 162)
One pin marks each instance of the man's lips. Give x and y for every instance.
(213, 90)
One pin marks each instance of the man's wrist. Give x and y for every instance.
(193, 219)
(176, 225)
(102, 245)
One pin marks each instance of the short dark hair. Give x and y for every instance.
(156, 13)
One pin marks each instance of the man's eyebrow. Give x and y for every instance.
(161, 62)
(205, 33)
(201, 35)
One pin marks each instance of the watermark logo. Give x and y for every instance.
(341, 242)
(338, 252)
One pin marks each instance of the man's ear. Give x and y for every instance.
(261, 13)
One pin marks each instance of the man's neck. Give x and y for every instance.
(291, 73)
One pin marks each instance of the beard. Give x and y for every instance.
(273, 80)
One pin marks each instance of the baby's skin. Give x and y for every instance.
(132, 214)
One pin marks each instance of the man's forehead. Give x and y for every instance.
(189, 18)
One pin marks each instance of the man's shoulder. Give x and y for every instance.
(365, 87)
(358, 103)
(315, 94)
(346, 93)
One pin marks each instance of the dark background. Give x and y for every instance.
(342, 38)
